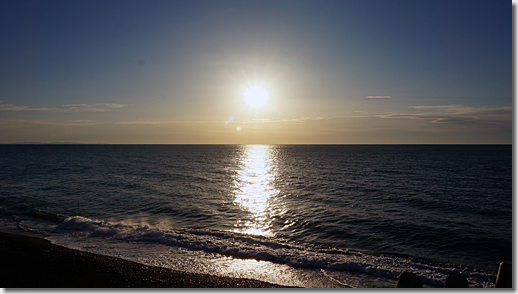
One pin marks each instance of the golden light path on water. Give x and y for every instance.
(256, 195)
(255, 192)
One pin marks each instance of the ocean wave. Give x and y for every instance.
(262, 248)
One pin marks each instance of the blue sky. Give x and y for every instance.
(342, 72)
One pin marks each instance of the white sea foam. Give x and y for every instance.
(246, 247)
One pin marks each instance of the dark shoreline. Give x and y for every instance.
(29, 262)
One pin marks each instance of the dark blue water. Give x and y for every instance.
(352, 214)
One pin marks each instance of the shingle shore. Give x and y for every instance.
(28, 262)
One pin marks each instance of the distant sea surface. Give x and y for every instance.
(300, 215)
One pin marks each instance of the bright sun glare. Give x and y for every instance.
(256, 97)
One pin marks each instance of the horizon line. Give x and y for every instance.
(76, 143)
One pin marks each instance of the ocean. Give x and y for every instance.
(297, 215)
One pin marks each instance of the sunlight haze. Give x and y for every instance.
(287, 72)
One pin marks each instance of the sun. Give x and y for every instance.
(256, 96)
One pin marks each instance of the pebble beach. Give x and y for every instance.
(29, 262)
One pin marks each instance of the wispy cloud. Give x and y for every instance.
(84, 122)
(288, 120)
(12, 107)
(378, 97)
(150, 122)
(460, 109)
(235, 122)
(97, 107)
(77, 123)
(452, 113)
(433, 118)
(442, 114)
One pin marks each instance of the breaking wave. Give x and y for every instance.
(270, 249)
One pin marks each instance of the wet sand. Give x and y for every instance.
(28, 262)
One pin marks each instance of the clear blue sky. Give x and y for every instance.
(348, 71)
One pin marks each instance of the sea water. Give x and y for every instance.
(296, 215)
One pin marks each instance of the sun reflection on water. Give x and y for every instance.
(254, 190)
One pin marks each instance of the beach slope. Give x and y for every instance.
(28, 262)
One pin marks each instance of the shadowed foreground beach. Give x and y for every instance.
(28, 262)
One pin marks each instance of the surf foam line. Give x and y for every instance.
(333, 279)
(268, 249)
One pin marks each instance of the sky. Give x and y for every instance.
(334, 72)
